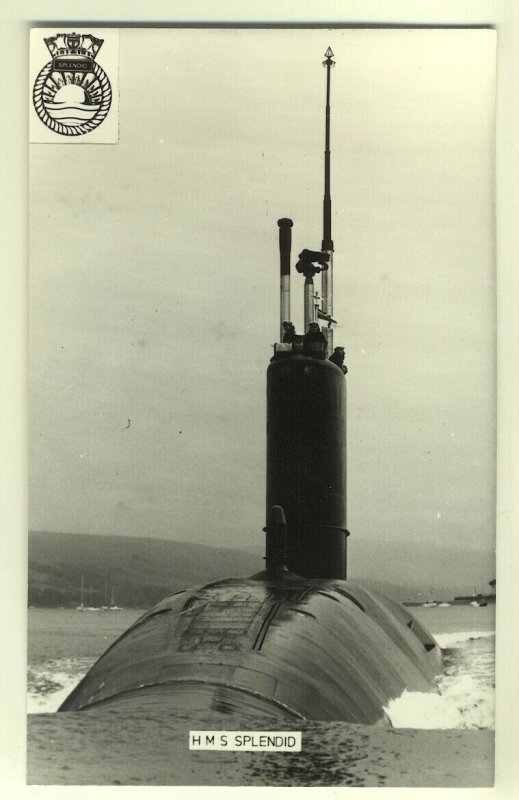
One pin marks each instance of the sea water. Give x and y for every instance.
(64, 643)
(466, 688)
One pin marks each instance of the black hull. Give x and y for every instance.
(290, 648)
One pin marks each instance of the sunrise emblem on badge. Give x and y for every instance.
(72, 93)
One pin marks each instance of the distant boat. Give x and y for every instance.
(443, 605)
(112, 606)
(106, 607)
(81, 606)
(430, 603)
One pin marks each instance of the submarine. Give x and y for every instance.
(297, 640)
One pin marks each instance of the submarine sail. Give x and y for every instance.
(297, 640)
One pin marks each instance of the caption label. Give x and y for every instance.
(245, 740)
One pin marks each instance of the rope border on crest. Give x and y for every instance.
(60, 127)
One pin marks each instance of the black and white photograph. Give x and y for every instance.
(263, 387)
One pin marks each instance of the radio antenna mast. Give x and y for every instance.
(327, 245)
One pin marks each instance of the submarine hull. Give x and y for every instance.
(288, 648)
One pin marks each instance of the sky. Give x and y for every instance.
(154, 283)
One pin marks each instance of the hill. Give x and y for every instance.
(140, 571)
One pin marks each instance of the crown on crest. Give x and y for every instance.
(73, 51)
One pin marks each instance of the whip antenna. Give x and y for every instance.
(327, 245)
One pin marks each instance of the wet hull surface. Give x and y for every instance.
(292, 649)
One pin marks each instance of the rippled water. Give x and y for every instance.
(62, 646)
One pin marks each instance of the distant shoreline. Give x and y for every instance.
(458, 601)
(67, 570)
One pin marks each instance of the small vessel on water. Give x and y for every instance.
(296, 640)
(106, 607)
(81, 606)
(109, 606)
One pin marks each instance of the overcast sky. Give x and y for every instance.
(154, 283)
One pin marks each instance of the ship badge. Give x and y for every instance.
(72, 94)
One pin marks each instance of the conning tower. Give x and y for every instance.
(306, 408)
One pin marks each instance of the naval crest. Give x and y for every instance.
(72, 93)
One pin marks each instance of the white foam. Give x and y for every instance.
(465, 705)
(51, 682)
(449, 640)
(48, 703)
(465, 697)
